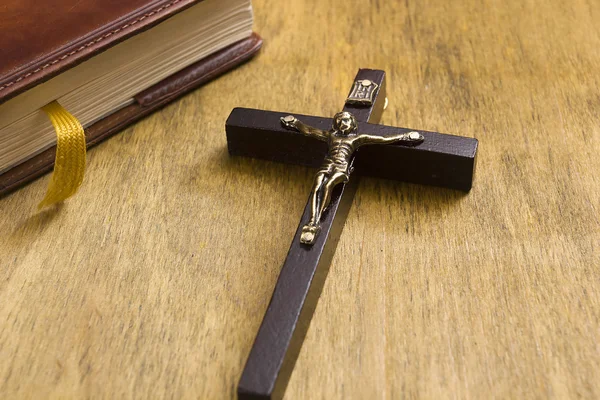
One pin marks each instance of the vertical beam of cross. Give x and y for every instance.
(285, 324)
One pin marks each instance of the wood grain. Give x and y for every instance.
(152, 281)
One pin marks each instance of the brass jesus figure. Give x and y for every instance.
(343, 140)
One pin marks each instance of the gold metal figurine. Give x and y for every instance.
(343, 141)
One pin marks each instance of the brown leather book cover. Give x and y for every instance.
(32, 53)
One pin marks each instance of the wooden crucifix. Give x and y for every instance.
(412, 155)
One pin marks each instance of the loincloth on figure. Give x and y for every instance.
(331, 166)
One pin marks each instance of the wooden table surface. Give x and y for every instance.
(152, 281)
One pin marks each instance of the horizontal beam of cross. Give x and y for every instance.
(441, 160)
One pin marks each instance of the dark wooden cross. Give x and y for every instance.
(440, 160)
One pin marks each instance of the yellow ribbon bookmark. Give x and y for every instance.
(69, 164)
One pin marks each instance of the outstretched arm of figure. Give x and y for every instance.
(409, 138)
(294, 123)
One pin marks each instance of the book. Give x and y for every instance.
(108, 64)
